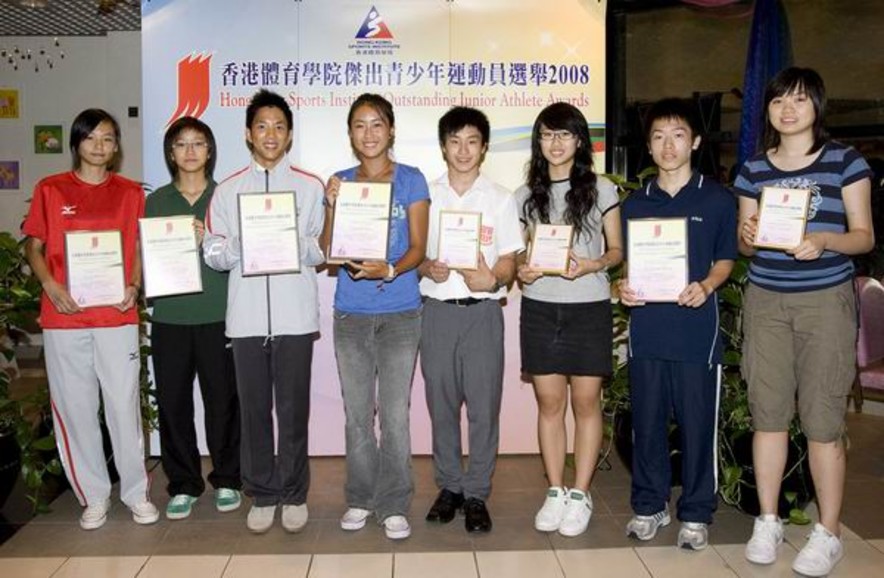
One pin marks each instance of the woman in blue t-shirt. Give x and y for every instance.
(799, 322)
(377, 328)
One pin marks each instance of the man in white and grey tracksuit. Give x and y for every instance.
(272, 320)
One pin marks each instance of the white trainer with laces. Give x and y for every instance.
(354, 519)
(95, 515)
(145, 513)
(397, 527)
(767, 535)
(260, 518)
(551, 514)
(578, 511)
(693, 536)
(644, 528)
(822, 551)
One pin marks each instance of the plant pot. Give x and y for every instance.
(623, 445)
(10, 465)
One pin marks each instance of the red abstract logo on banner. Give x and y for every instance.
(169, 227)
(365, 192)
(658, 229)
(193, 86)
(268, 205)
(94, 242)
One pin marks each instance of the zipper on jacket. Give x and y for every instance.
(267, 277)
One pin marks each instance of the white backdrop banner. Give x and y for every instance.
(509, 58)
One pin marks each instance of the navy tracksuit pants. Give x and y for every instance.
(659, 391)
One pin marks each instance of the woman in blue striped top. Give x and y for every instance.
(800, 314)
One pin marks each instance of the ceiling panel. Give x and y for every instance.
(68, 17)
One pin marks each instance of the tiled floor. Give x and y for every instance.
(213, 545)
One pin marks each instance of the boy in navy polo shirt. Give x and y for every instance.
(675, 348)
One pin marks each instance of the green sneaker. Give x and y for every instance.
(227, 500)
(180, 506)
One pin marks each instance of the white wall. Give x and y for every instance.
(103, 72)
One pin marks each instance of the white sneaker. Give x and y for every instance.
(144, 513)
(767, 534)
(822, 551)
(551, 514)
(644, 528)
(693, 536)
(95, 515)
(294, 518)
(354, 519)
(397, 528)
(260, 518)
(578, 511)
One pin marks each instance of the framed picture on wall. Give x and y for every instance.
(10, 175)
(8, 103)
(48, 139)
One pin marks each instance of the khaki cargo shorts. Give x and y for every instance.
(800, 346)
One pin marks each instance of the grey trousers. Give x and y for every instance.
(274, 374)
(462, 357)
(376, 357)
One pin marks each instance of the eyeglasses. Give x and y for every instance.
(551, 135)
(197, 145)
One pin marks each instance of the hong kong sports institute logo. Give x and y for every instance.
(374, 36)
(193, 86)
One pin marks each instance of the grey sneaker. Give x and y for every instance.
(822, 551)
(693, 536)
(260, 518)
(644, 528)
(767, 535)
(294, 518)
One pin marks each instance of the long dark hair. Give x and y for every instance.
(794, 79)
(582, 196)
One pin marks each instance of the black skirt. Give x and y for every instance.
(566, 338)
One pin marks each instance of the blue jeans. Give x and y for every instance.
(378, 351)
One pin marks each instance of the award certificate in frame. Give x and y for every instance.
(94, 267)
(361, 222)
(658, 258)
(268, 233)
(551, 248)
(170, 256)
(782, 217)
(459, 235)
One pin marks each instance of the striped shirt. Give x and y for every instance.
(836, 167)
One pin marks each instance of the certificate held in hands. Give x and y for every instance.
(268, 233)
(169, 256)
(551, 248)
(361, 222)
(95, 273)
(459, 233)
(782, 217)
(658, 258)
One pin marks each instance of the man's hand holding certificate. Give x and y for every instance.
(657, 255)
(361, 223)
(95, 273)
(170, 256)
(782, 217)
(459, 233)
(268, 232)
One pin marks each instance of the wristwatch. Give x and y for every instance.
(391, 272)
